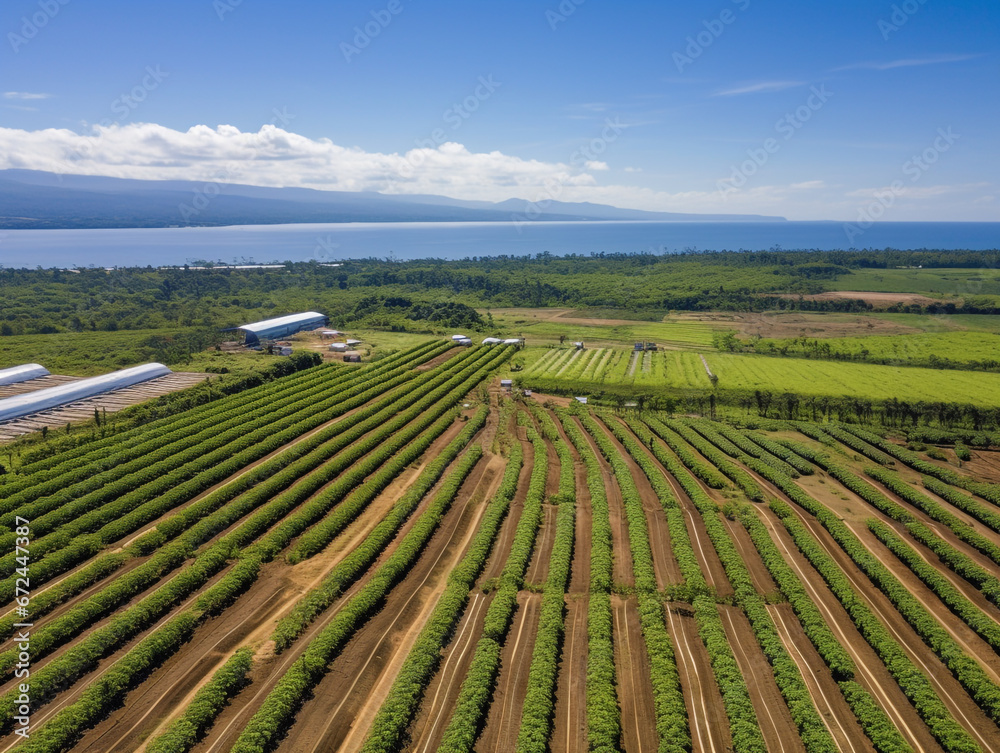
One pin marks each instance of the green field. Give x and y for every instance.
(938, 282)
(957, 347)
(600, 369)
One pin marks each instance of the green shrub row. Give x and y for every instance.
(743, 445)
(819, 633)
(191, 438)
(314, 603)
(200, 714)
(668, 701)
(914, 683)
(989, 492)
(539, 701)
(281, 704)
(705, 471)
(388, 730)
(707, 448)
(780, 451)
(964, 502)
(567, 468)
(936, 511)
(464, 728)
(743, 724)
(604, 721)
(986, 627)
(82, 656)
(983, 690)
(262, 481)
(859, 445)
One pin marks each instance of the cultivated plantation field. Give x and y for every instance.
(406, 557)
(582, 372)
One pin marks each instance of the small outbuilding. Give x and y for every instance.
(352, 343)
(456, 338)
(513, 341)
(352, 358)
(492, 341)
(339, 347)
(578, 346)
(507, 384)
(465, 342)
(581, 400)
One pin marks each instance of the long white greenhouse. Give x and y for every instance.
(22, 373)
(282, 326)
(54, 397)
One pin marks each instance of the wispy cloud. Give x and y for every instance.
(25, 95)
(24, 108)
(762, 87)
(876, 65)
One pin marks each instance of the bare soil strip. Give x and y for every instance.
(635, 689)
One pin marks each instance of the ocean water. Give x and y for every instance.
(456, 240)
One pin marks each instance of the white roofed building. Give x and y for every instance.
(282, 326)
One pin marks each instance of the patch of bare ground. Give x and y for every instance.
(985, 465)
(706, 713)
(569, 732)
(962, 707)
(504, 719)
(811, 324)
(780, 732)
(632, 670)
(834, 710)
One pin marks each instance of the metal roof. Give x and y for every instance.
(282, 321)
(53, 397)
(22, 373)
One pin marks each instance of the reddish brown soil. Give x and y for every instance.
(877, 300)
(504, 719)
(635, 689)
(985, 465)
(707, 719)
(776, 723)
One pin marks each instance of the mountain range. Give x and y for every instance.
(31, 199)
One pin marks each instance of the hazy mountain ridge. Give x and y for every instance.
(33, 199)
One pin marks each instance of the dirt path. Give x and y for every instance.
(635, 689)
(833, 709)
(504, 719)
(706, 713)
(780, 732)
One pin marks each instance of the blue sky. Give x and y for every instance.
(807, 110)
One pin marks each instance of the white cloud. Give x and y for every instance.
(763, 87)
(633, 169)
(596, 165)
(25, 95)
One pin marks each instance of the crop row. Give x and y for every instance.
(743, 724)
(989, 492)
(964, 531)
(604, 722)
(972, 677)
(464, 728)
(705, 443)
(400, 706)
(705, 471)
(969, 613)
(744, 446)
(67, 547)
(539, 700)
(859, 445)
(963, 502)
(333, 585)
(279, 707)
(873, 719)
(668, 701)
(82, 656)
(779, 451)
(812, 730)
(914, 683)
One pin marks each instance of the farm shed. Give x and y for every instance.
(456, 338)
(578, 345)
(23, 373)
(53, 397)
(352, 358)
(338, 347)
(465, 342)
(492, 341)
(282, 326)
(352, 343)
(512, 341)
(506, 383)
(330, 333)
